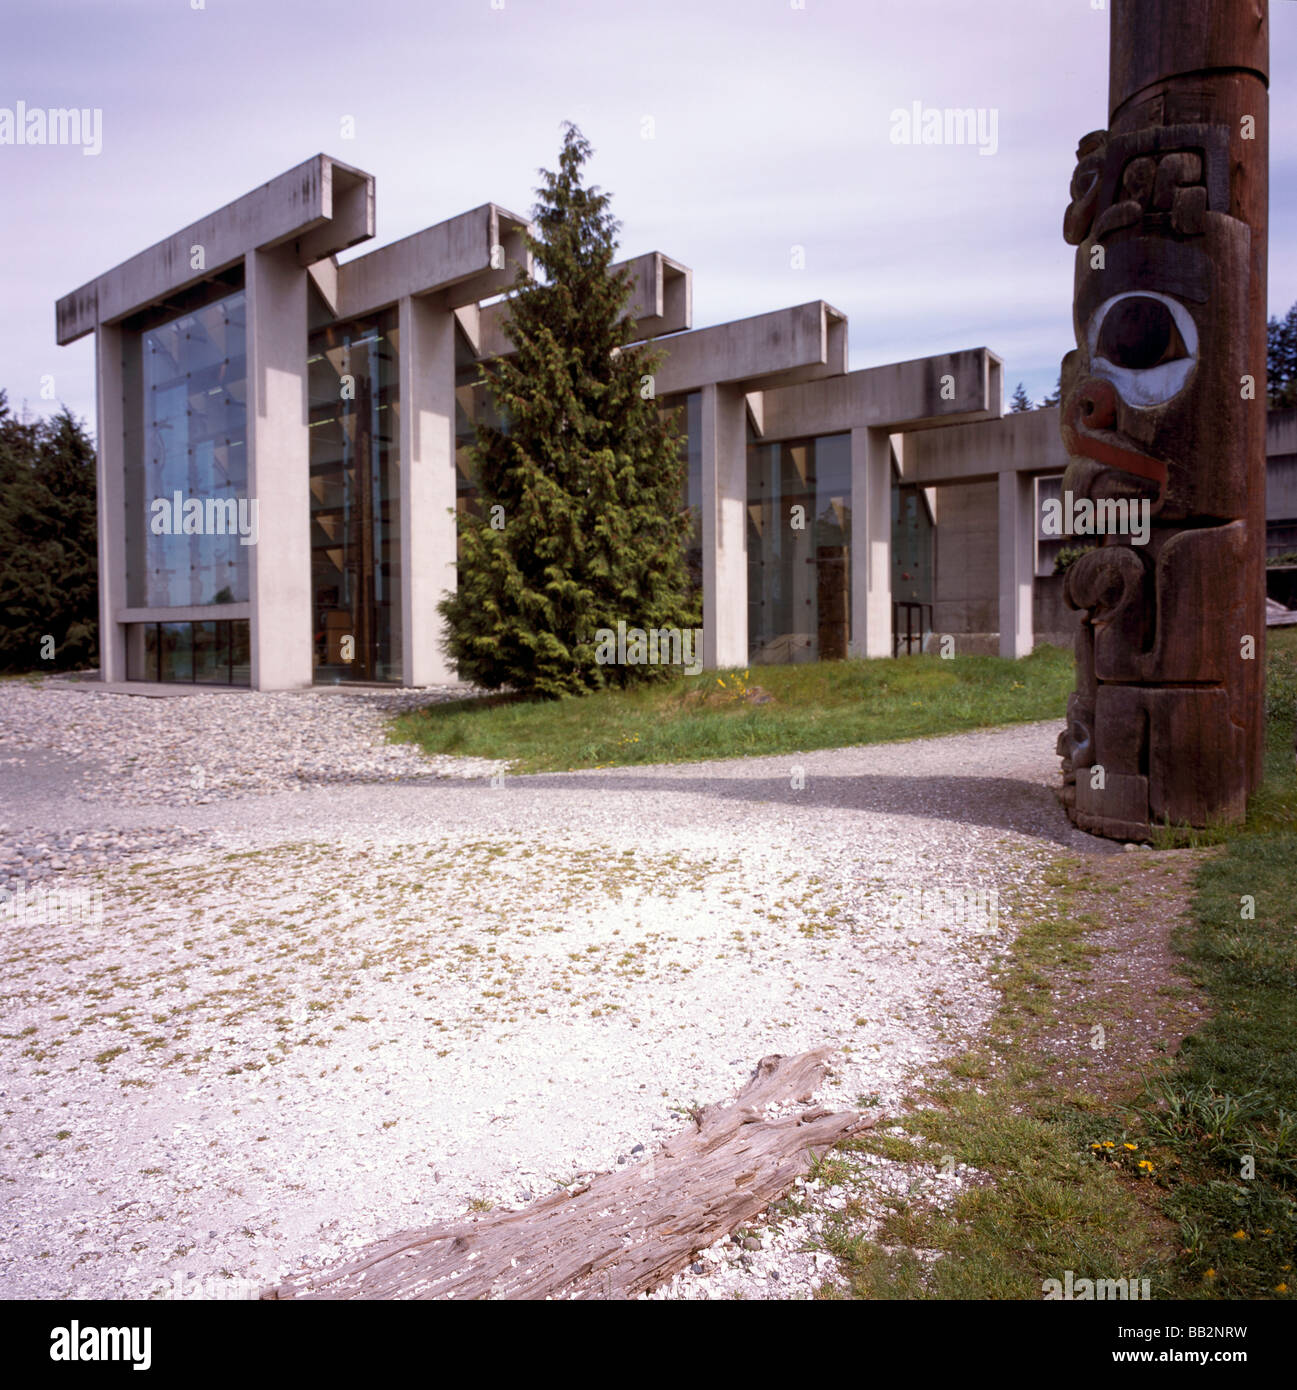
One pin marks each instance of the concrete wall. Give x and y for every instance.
(1054, 621)
(966, 586)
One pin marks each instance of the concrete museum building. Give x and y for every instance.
(281, 455)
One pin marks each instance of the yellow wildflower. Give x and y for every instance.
(1131, 1147)
(1239, 1235)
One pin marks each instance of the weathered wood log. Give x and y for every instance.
(624, 1232)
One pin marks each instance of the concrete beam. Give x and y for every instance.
(1025, 443)
(921, 394)
(187, 613)
(661, 302)
(321, 206)
(464, 259)
(1017, 562)
(786, 346)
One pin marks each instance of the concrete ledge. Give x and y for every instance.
(193, 613)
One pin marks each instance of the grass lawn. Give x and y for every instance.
(827, 704)
(1182, 1168)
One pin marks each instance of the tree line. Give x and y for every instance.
(49, 584)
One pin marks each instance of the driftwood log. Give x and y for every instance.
(624, 1232)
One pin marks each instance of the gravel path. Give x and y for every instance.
(356, 993)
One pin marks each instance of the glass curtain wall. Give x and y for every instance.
(186, 474)
(356, 499)
(799, 550)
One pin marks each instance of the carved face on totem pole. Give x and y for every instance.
(1152, 414)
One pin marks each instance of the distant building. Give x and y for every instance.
(282, 454)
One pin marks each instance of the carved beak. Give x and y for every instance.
(1089, 431)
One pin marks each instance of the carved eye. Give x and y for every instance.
(1083, 182)
(1146, 344)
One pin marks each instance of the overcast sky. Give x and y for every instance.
(770, 130)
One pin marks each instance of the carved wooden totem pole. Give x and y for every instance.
(1163, 404)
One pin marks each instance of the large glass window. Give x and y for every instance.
(356, 499)
(189, 519)
(799, 549)
(201, 653)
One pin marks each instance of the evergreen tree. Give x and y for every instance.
(48, 544)
(1020, 402)
(580, 519)
(1281, 359)
(1055, 397)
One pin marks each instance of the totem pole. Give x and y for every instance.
(1163, 410)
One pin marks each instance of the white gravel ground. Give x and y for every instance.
(348, 1009)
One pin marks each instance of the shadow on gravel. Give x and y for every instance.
(1001, 803)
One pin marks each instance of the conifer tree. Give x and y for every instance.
(580, 519)
(1021, 401)
(48, 543)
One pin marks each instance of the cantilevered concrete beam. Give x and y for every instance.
(769, 350)
(464, 259)
(661, 302)
(916, 395)
(1028, 442)
(318, 208)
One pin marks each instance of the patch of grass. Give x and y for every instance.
(1227, 1117)
(1037, 1202)
(1190, 1179)
(827, 704)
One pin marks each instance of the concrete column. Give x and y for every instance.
(1017, 563)
(110, 473)
(279, 461)
(725, 561)
(871, 542)
(427, 377)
